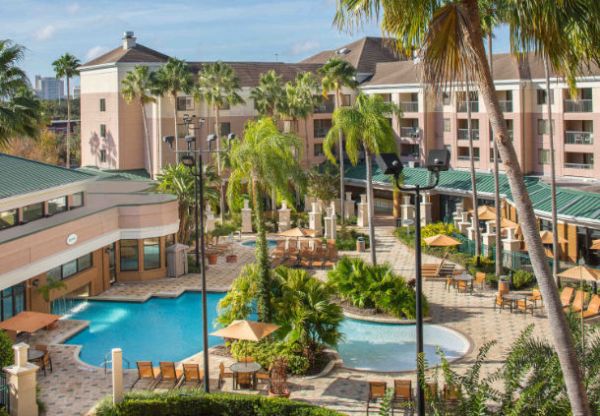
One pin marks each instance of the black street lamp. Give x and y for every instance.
(391, 165)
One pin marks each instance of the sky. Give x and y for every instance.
(234, 30)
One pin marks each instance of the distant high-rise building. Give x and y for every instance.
(49, 88)
(76, 91)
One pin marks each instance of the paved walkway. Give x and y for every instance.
(73, 388)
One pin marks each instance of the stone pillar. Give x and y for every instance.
(329, 220)
(511, 243)
(210, 220)
(349, 208)
(117, 375)
(246, 218)
(457, 215)
(471, 230)
(464, 223)
(320, 206)
(488, 239)
(426, 209)
(21, 378)
(314, 219)
(407, 209)
(363, 212)
(284, 217)
(308, 200)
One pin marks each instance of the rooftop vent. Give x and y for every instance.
(343, 51)
(128, 40)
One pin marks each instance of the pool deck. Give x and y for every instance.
(74, 387)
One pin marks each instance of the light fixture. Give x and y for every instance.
(169, 140)
(188, 161)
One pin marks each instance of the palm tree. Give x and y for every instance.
(450, 40)
(367, 128)
(172, 78)
(266, 161)
(473, 174)
(66, 66)
(219, 86)
(137, 85)
(337, 74)
(268, 94)
(20, 110)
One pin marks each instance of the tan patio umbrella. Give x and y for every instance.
(297, 232)
(486, 213)
(441, 240)
(246, 330)
(547, 237)
(581, 272)
(506, 223)
(595, 245)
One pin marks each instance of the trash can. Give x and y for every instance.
(361, 246)
(177, 260)
(503, 285)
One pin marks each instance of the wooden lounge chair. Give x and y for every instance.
(524, 306)
(45, 362)
(480, 280)
(376, 392)
(169, 376)
(566, 295)
(320, 257)
(403, 393)
(536, 296)
(578, 302)
(193, 377)
(593, 308)
(500, 302)
(244, 380)
(147, 375)
(225, 374)
(279, 250)
(431, 271)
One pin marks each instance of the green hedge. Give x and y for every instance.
(196, 403)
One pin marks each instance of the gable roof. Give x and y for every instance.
(20, 176)
(363, 54)
(135, 54)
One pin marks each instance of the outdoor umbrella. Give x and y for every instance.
(297, 232)
(441, 240)
(486, 213)
(246, 330)
(547, 237)
(595, 245)
(581, 272)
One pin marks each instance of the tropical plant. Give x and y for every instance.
(66, 66)
(265, 160)
(7, 356)
(51, 286)
(322, 182)
(522, 278)
(449, 38)
(436, 228)
(367, 128)
(335, 75)
(19, 108)
(266, 351)
(268, 93)
(474, 199)
(136, 86)
(173, 78)
(219, 87)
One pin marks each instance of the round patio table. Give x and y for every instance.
(464, 278)
(252, 367)
(34, 355)
(513, 297)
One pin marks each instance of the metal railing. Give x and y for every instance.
(462, 106)
(579, 137)
(410, 132)
(506, 106)
(409, 106)
(107, 361)
(463, 134)
(4, 392)
(578, 106)
(579, 165)
(326, 107)
(468, 157)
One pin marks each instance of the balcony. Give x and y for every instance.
(409, 106)
(463, 134)
(467, 157)
(326, 107)
(579, 165)
(462, 106)
(506, 106)
(578, 106)
(579, 137)
(409, 132)
(321, 132)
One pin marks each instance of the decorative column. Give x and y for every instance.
(22, 381)
(407, 209)
(363, 212)
(464, 223)
(308, 200)
(284, 217)
(328, 222)
(471, 229)
(426, 209)
(314, 219)
(246, 218)
(457, 215)
(488, 239)
(349, 208)
(210, 220)
(117, 375)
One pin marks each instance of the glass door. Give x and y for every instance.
(112, 263)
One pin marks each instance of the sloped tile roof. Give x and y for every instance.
(136, 54)
(117, 175)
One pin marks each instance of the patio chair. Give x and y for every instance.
(320, 257)
(566, 295)
(169, 376)
(480, 280)
(279, 250)
(225, 374)
(593, 308)
(462, 286)
(264, 376)
(500, 302)
(578, 302)
(403, 394)
(192, 376)
(430, 270)
(524, 306)
(45, 361)
(376, 392)
(146, 374)
(536, 296)
(450, 282)
(244, 380)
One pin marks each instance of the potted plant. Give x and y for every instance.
(279, 386)
(231, 258)
(212, 257)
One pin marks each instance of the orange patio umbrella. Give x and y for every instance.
(581, 272)
(595, 245)
(297, 232)
(547, 237)
(486, 213)
(441, 240)
(29, 321)
(246, 330)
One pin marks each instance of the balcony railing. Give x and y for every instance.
(467, 157)
(506, 106)
(463, 134)
(409, 132)
(579, 165)
(579, 137)
(326, 107)
(578, 106)
(462, 106)
(409, 106)
(322, 132)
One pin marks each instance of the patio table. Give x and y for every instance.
(514, 297)
(464, 278)
(252, 367)
(34, 354)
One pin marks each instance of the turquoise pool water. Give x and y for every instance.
(252, 243)
(171, 330)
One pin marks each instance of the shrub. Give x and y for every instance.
(438, 228)
(196, 403)
(346, 239)
(6, 351)
(266, 351)
(522, 279)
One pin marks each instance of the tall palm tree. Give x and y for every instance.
(367, 129)
(335, 75)
(476, 230)
(172, 78)
(450, 40)
(19, 109)
(66, 66)
(265, 161)
(136, 86)
(219, 86)
(268, 93)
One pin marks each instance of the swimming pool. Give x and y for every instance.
(252, 243)
(171, 330)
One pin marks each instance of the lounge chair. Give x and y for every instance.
(480, 280)
(376, 392)
(224, 374)
(192, 376)
(500, 302)
(169, 376)
(524, 306)
(431, 271)
(593, 308)
(403, 393)
(536, 296)
(447, 269)
(147, 375)
(578, 302)
(566, 295)
(431, 394)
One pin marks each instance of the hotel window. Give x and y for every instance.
(57, 205)
(33, 212)
(347, 99)
(76, 200)
(151, 253)
(448, 148)
(171, 239)
(185, 103)
(12, 301)
(445, 98)
(543, 156)
(541, 97)
(225, 128)
(446, 125)
(542, 126)
(103, 131)
(102, 104)
(318, 149)
(8, 218)
(129, 254)
(102, 155)
(71, 268)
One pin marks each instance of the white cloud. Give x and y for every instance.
(303, 47)
(45, 32)
(95, 52)
(73, 8)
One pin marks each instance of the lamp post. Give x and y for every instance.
(391, 165)
(193, 159)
